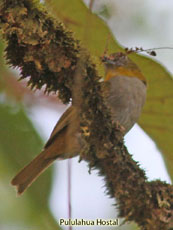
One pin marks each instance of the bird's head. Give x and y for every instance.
(119, 64)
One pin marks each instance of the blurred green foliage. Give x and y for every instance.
(19, 143)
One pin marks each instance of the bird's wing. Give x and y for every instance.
(62, 124)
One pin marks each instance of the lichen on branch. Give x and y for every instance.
(39, 46)
(47, 54)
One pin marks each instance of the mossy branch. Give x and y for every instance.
(39, 46)
(47, 54)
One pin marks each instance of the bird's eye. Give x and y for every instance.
(103, 58)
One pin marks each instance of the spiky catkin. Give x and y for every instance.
(47, 54)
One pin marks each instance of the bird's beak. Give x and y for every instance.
(107, 60)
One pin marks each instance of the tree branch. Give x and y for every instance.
(47, 54)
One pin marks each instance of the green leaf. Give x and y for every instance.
(86, 26)
(157, 117)
(19, 143)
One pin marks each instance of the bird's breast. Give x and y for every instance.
(126, 99)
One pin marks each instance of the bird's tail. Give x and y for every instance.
(30, 172)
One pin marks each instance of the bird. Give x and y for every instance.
(126, 96)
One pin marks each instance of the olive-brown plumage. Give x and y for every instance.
(126, 96)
